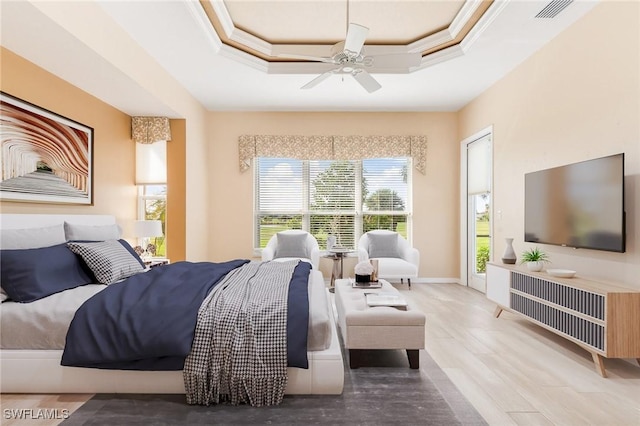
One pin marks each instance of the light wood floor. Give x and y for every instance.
(513, 372)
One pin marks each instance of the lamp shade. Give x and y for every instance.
(147, 228)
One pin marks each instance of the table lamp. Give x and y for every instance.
(146, 229)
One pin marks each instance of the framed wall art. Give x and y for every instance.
(45, 158)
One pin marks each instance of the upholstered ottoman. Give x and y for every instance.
(380, 327)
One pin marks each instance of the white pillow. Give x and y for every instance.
(91, 232)
(383, 245)
(291, 245)
(29, 238)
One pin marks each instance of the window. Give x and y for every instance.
(151, 178)
(331, 197)
(152, 205)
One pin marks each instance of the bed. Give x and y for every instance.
(35, 367)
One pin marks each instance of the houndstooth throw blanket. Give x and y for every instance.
(239, 350)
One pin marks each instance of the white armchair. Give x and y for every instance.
(396, 257)
(293, 244)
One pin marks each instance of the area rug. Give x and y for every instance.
(385, 391)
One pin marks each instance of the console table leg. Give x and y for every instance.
(497, 312)
(414, 358)
(599, 362)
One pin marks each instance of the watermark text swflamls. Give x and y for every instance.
(35, 413)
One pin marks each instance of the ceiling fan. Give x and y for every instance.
(349, 57)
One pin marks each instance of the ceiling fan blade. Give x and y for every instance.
(319, 79)
(367, 81)
(395, 60)
(356, 35)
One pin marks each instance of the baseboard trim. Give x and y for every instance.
(421, 281)
(430, 281)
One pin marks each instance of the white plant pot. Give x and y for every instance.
(535, 266)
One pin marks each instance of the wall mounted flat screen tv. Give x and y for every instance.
(579, 205)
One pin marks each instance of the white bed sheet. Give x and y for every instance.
(43, 324)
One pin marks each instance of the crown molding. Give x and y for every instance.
(202, 20)
(319, 50)
(443, 55)
(223, 16)
(251, 41)
(431, 41)
(481, 26)
(244, 58)
(463, 16)
(448, 34)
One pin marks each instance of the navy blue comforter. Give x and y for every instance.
(147, 321)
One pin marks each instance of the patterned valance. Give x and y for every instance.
(150, 129)
(332, 148)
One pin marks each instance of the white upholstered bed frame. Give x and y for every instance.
(39, 371)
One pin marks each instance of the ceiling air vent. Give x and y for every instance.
(552, 9)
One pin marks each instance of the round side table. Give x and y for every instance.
(337, 255)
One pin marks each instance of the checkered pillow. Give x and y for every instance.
(108, 260)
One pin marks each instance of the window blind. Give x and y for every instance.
(343, 198)
(479, 166)
(151, 163)
(386, 194)
(332, 205)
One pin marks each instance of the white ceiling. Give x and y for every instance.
(223, 79)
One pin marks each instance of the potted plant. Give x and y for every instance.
(534, 258)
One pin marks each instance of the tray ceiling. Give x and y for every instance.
(264, 28)
(466, 46)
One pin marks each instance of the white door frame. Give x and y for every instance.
(464, 209)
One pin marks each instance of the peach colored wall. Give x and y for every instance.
(113, 151)
(88, 22)
(197, 193)
(177, 192)
(435, 205)
(577, 98)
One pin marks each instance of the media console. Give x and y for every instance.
(603, 318)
